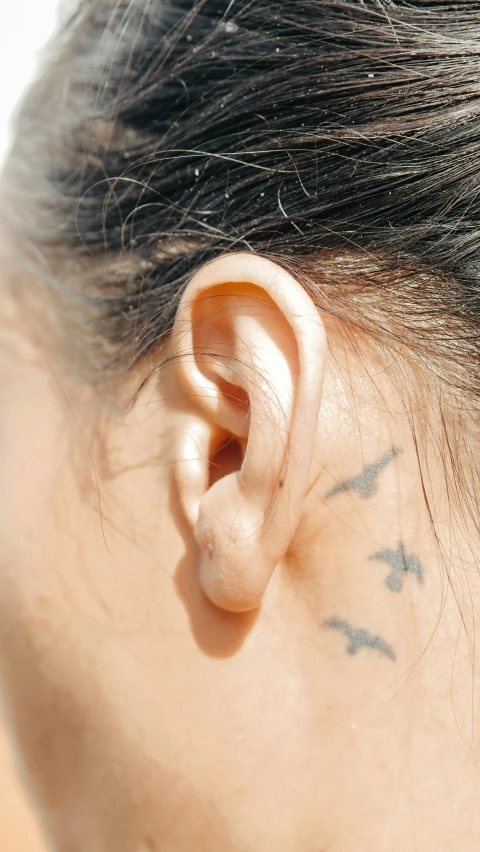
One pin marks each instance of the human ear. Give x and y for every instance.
(250, 348)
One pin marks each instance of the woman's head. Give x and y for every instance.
(239, 463)
(332, 137)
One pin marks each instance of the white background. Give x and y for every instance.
(25, 25)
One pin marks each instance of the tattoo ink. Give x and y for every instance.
(366, 483)
(400, 564)
(360, 638)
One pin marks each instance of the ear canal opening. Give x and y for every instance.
(225, 457)
(235, 394)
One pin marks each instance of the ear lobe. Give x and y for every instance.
(254, 358)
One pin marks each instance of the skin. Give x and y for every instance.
(167, 569)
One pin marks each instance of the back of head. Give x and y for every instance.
(243, 238)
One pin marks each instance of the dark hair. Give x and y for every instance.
(339, 137)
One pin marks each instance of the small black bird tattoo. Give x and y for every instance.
(400, 564)
(360, 638)
(366, 483)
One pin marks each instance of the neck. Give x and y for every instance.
(389, 588)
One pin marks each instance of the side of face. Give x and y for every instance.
(178, 580)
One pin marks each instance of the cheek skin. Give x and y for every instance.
(118, 695)
(141, 723)
(150, 720)
(134, 700)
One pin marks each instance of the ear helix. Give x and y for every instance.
(191, 466)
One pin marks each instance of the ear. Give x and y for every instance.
(250, 348)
